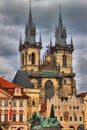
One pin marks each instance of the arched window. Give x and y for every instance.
(33, 102)
(64, 58)
(49, 90)
(33, 58)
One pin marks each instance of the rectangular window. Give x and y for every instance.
(6, 117)
(80, 118)
(6, 103)
(21, 103)
(21, 117)
(75, 118)
(61, 118)
(70, 118)
(14, 117)
(14, 103)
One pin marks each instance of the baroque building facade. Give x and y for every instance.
(13, 106)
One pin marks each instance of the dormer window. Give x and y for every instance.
(17, 91)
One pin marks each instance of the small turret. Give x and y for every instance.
(50, 42)
(71, 41)
(20, 40)
(40, 39)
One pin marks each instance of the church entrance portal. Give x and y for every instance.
(49, 90)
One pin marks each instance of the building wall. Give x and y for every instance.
(85, 112)
(33, 101)
(67, 109)
(17, 109)
(27, 61)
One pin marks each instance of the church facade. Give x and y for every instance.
(50, 80)
(55, 73)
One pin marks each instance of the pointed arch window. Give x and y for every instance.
(22, 59)
(33, 58)
(64, 58)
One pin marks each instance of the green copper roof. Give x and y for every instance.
(44, 74)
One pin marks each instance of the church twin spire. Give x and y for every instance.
(30, 32)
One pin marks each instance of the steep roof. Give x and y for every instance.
(6, 84)
(21, 79)
(82, 94)
(10, 87)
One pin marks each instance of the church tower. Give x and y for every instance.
(30, 50)
(63, 55)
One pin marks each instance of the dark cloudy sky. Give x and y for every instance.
(14, 14)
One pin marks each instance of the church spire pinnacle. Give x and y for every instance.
(30, 29)
(60, 31)
(20, 39)
(30, 21)
(50, 42)
(40, 39)
(71, 41)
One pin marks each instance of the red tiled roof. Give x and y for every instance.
(4, 84)
(82, 94)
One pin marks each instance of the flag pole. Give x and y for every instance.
(10, 115)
